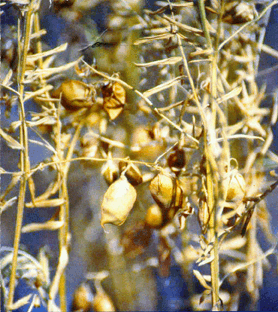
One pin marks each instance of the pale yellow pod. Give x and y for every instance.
(117, 202)
(236, 187)
(154, 216)
(166, 192)
(102, 302)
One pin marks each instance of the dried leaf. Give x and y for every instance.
(168, 61)
(6, 81)
(201, 279)
(229, 95)
(19, 303)
(152, 38)
(7, 204)
(11, 142)
(206, 261)
(46, 203)
(204, 295)
(37, 56)
(47, 226)
(30, 95)
(162, 86)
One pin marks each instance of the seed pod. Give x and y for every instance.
(114, 98)
(102, 302)
(236, 186)
(82, 298)
(168, 194)
(110, 172)
(203, 213)
(117, 202)
(154, 216)
(132, 173)
(75, 94)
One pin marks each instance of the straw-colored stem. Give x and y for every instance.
(24, 155)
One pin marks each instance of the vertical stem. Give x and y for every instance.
(24, 156)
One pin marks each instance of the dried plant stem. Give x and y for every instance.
(24, 155)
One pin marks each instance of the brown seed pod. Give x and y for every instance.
(117, 202)
(114, 99)
(168, 194)
(82, 298)
(176, 160)
(132, 173)
(102, 302)
(110, 171)
(236, 186)
(75, 94)
(154, 216)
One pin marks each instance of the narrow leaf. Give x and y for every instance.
(46, 203)
(201, 279)
(47, 226)
(168, 61)
(162, 87)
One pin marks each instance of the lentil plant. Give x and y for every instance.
(168, 121)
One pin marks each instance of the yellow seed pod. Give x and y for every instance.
(117, 202)
(75, 94)
(154, 216)
(102, 302)
(166, 192)
(82, 298)
(236, 186)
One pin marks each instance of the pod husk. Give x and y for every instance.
(117, 202)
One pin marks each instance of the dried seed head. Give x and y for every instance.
(110, 171)
(132, 173)
(102, 302)
(238, 12)
(82, 298)
(75, 94)
(114, 99)
(203, 213)
(235, 185)
(117, 202)
(154, 216)
(167, 193)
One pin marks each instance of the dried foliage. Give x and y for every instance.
(170, 115)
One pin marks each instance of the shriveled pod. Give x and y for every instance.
(102, 302)
(110, 171)
(75, 94)
(117, 202)
(167, 193)
(154, 216)
(114, 99)
(132, 173)
(235, 185)
(82, 298)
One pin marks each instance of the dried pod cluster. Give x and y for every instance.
(75, 94)
(117, 202)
